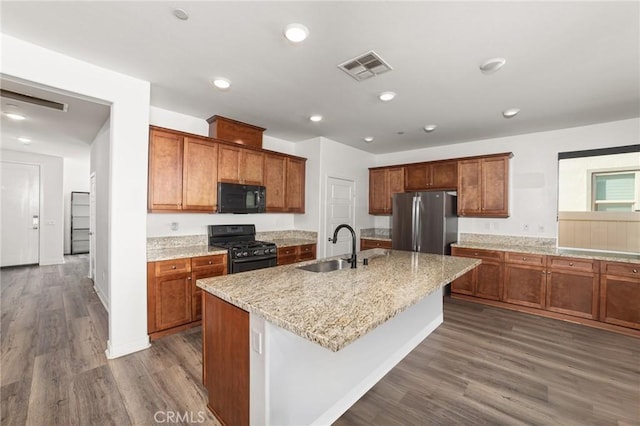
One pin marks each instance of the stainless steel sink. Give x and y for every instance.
(326, 266)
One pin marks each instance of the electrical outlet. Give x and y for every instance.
(174, 226)
(525, 227)
(540, 229)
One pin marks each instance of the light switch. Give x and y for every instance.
(256, 341)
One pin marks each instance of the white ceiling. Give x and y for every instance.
(568, 63)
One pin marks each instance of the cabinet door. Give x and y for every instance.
(378, 191)
(620, 300)
(464, 284)
(251, 167)
(295, 192)
(469, 191)
(524, 285)
(165, 171)
(172, 301)
(417, 177)
(444, 175)
(306, 252)
(196, 292)
(287, 255)
(572, 293)
(275, 182)
(200, 175)
(396, 184)
(495, 174)
(229, 164)
(490, 280)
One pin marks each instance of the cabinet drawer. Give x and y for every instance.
(208, 261)
(284, 251)
(175, 266)
(307, 248)
(478, 253)
(621, 269)
(525, 259)
(368, 244)
(573, 264)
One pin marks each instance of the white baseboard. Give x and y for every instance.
(126, 348)
(51, 261)
(102, 297)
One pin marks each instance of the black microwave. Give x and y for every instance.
(237, 198)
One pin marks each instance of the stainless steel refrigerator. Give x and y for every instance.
(424, 221)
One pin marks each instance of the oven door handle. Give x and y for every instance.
(253, 259)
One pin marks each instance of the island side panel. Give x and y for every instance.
(298, 382)
(225, 343)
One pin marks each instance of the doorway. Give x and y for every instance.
(339, 209)
(20, 214)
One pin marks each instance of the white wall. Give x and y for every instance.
(534, 172)
(130, 100)
(159, 224)
(100, 165)
(51, 199)
(343, 161)
(75, 177)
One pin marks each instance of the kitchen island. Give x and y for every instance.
(289, 346)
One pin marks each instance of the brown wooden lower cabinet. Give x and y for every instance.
(366, 244)
(295, 254)
(173, 299)
(225, 355)
(485, 281)
(525, 278)
(572, 286)
(620, 294)
(595, 293)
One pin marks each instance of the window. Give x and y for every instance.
(616, 191)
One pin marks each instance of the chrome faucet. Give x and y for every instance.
(353, 259)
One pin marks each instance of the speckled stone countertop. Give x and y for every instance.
(335, 308)
(544, 246)
(156, 255)
(383, 234)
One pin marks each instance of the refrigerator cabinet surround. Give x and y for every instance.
(425, 221)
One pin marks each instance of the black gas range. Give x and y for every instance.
(244, 252)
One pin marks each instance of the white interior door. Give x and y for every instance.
(20, 214)
(92, 226)
(340, 207)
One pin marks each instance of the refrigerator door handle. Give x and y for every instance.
(418, 229)
(414, 224)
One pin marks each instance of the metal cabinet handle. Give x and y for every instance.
(570, 263)
(210, 262)
(173, 267)
(635, 271)
(524, 258)
(189, 278)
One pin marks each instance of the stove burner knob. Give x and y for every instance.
(244, 253)
(256, 252)
(273, 250)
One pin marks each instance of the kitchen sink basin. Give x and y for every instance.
(326, 266)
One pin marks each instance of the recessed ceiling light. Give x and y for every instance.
(180, 14)
(492, 65)
(315, 118)
(430, 128)
(386, 96)
(510, 112)
(25, 141)
(14, 116)
(368, 139)
(221, 83)
(296, 33)
(400, 132)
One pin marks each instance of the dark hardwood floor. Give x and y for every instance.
(482, 366)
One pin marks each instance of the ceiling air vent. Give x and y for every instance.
(33, 100)
(365, 66)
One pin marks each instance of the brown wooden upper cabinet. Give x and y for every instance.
(182, 173)
(483, 186)
(240, 165)
(284, 178)
(431, 175)
(383, 183)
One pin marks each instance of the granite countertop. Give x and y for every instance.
(291, 241)
(383, 234)
(155, 255)
(550, 250)
(335, 308)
